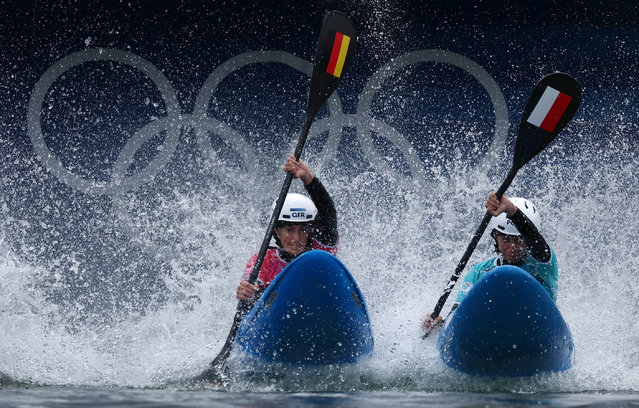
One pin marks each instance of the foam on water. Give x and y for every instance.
(400, 242)
(133, 284)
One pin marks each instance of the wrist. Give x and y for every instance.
(307, 178)
(511, 210)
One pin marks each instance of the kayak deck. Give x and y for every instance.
(312, 313)
(507, 325)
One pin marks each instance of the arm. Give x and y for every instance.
(326, 220)
(247, 291)
(470, 279)
(535, 242)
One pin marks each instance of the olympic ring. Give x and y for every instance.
(55, 166)
(451, 58)
(175, 120)
(235, 63)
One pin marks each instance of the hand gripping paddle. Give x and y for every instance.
(335, 50)
(550, 107)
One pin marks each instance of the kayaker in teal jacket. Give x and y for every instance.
(517, 242)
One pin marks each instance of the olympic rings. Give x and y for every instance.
(451, 58)
(175, 121)
(202, 123)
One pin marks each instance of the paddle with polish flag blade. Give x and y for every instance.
(550, 107)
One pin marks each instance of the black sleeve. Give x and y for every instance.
(326, 221)
(535, 243)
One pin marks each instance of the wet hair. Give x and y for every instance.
(494, 234)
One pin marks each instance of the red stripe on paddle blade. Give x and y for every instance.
(337, 46)
(556, 112)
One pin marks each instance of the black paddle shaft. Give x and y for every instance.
(243, 306)
(471, 247)
(550, 107)
(280, 202)
(335, 50)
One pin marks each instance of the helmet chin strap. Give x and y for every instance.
(278, 243)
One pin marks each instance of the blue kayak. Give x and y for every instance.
(507, 325)
(312, 313)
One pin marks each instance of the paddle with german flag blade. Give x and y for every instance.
(550, 107)
(335, 51)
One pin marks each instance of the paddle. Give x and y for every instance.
(335, 50)
(550, 107)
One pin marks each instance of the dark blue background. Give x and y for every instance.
(53, 226)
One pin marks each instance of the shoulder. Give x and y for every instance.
(551, 263)
(485, 266)
(270, 258)
(478, 270)
(328, 248)
(249, 267)
(251, 261)
(270, 253)
(547, 271)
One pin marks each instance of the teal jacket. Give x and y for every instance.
(546, 273)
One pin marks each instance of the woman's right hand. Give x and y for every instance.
(430, 324)
(246, 291)
(298, 169)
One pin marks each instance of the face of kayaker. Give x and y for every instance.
(294, 238)
(512, 248)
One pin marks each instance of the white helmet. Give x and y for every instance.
(504, 225)
(297, 209)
